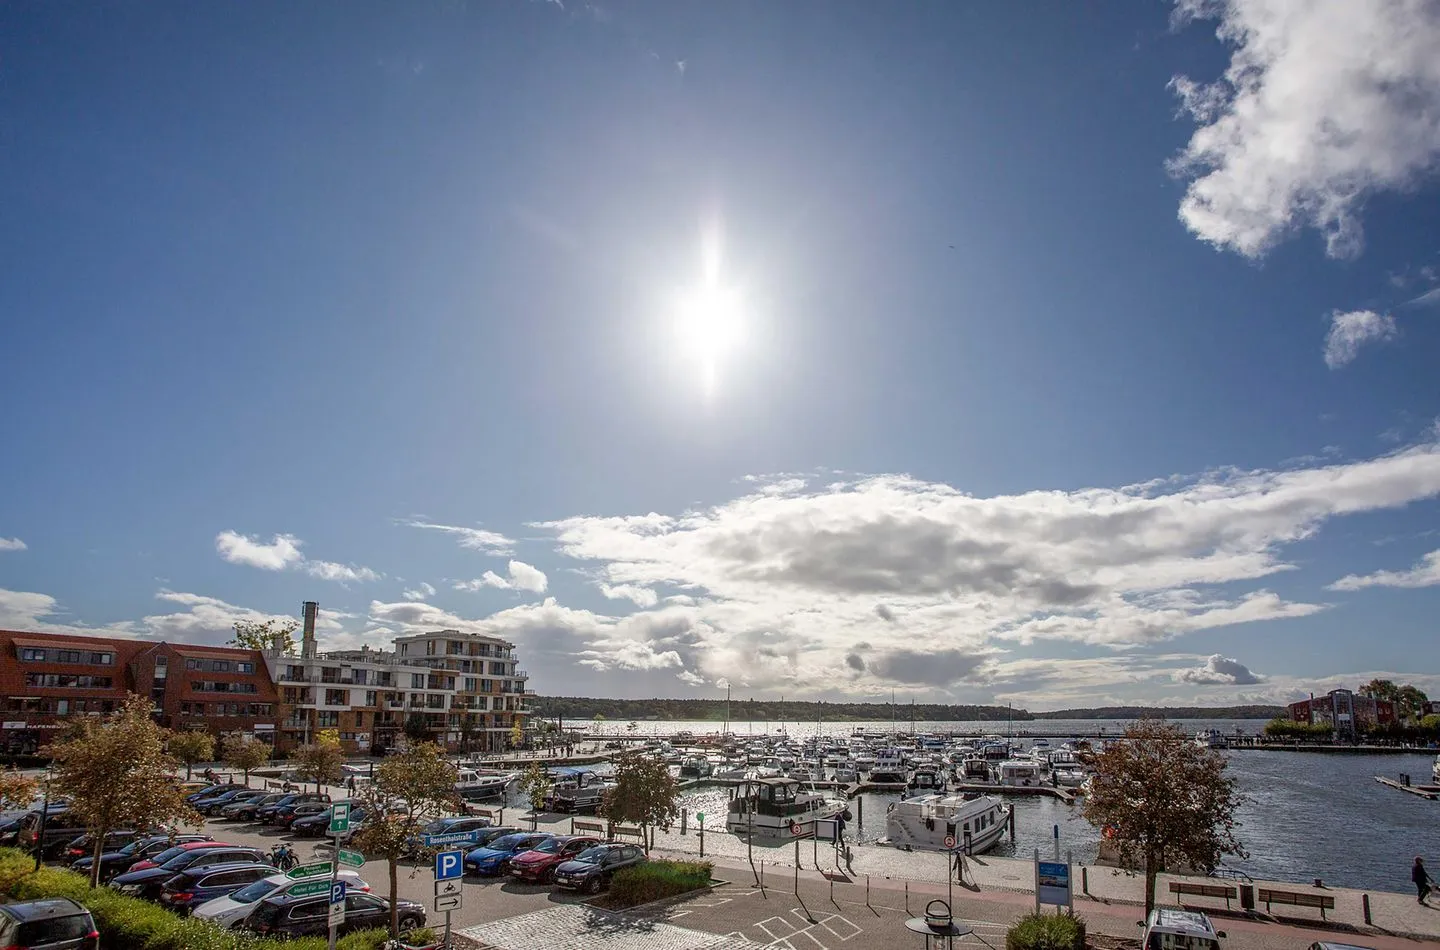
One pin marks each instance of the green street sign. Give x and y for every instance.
(309, 870)
(339, 818)
(701, 816)
(318, 886)
(352, 858)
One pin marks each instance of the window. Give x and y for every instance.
(360, 677)
(310, 911)
(327, 719)
(470, 684)
(62, 707)
(370, 697)
(192, 664)
(210, 686)
(487, 686)
(32, 654)
(336, 697)
(219, 666)
(67, 656)
(497, 669)
(102, 659)
(59, 680)
(417, 680)
(245, 667)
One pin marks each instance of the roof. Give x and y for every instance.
(1183, 921)
(46, 909)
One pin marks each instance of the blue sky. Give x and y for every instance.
(1058, 357)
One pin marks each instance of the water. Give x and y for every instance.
(1307, 814)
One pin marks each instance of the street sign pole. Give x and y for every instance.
(449, 886)
(339, 824)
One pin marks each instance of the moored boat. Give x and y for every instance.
(778, 808)
(973, 824)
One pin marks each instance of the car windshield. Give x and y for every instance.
(251, 893)
(436, 826)
(549, 846)
(167, 854)
(590, 855)
(507, 843)
(132, 847)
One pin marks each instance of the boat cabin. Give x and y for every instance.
(777, 796)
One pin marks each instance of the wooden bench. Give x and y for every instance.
(628, 831)
(1297, 899)
(581, 827)
(1203, 890)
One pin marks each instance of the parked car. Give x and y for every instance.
(316, 825)
(212, 806)
(232, 909)
(1168, 927)
(120, 861)
(195, 886)
(211, 791)
(56, 923)
(60, 828)
(494, 856)
(266, 813)
(592, 869)
(10, 827)
(289, 916)
(537, 866)
(160, 857)
(148, 884)
(287, 816)
(240, 810)
(84, 845)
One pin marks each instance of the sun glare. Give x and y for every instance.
(710, 319)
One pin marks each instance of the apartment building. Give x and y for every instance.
(1347, 712)
(482, 695)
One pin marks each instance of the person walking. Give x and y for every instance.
(1421, 879)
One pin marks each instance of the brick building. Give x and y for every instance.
(1348, 713)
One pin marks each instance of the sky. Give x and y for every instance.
(983, 353)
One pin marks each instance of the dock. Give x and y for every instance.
(1431, 792)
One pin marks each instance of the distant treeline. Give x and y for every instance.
(757, 710)
(1166, 712)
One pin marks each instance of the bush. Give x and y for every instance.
(656, 880)
(1047, 932)
(128, 923)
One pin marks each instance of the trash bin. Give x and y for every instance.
(1247, 896)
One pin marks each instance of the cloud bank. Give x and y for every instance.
(1351, 331)
(283, 553)
(1424, 574)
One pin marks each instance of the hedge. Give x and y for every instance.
(1046, 932)
(656, 880)
(128, 923)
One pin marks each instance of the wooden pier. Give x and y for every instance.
(1431, 792)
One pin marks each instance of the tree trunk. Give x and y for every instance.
(188, 767)
(394, 899)
(1151, 870)
(95, 853)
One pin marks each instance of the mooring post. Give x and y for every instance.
(684, 816)
(1365, 906)
(1084, 879)
(907, 898)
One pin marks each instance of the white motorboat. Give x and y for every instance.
(1069, 778)
(889, 768)
(925, 781)
(696, 767)
(970, 823)
(976, 769)
(1020, 772)
(475, 785)
(846, 774)
(1435, 770)
(1211, 739)
(778, 808)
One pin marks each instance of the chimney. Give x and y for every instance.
(307, 635)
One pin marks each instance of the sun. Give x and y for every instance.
(710, 319)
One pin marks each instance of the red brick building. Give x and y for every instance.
(45, 679)
(1348, 713)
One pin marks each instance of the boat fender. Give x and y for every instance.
(846, 816)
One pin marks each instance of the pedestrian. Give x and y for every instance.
(1421, 879)
(350, 785)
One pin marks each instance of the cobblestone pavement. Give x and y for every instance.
(586, 928)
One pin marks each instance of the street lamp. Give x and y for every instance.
(937, 926)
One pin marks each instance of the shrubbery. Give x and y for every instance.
(656, 880)
(1046, 932)
(127, 923)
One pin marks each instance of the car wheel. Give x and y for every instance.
(594, 885)
(409, 923)
(548, 877)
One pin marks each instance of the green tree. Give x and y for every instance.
(320, 761)
(645, 793)
(517, 732)
(1380, 689)
(1163, 800)
(467, 732)
(409, 791)
(1410, 701)
(245, 753)
(415, 728)
(191, 746)
(265, 635)
(117, 775)
(16, 790)
(537, 785)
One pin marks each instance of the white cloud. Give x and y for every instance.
(12, 544)
(640, 596)
(1220, 671)
(522, 577)
(1324, 103)
(283, 550)
(476, 539)
(421, 592)
(685, 676)
(1424, 574)
(344, 573)
(1350, 331)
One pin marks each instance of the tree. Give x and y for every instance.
(467, 732)
(537, 785)
(1379, 689)
(1162, 800)
(409, 791)
(17, 791)
(245, 753)
(645, 793)
(1410, 702)
(415, 728)
(517, 733)
(117, 775)
(320, 761)
(191, 746)
(278, 635)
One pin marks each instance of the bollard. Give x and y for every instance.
(859, 812)
(1365, 906)
(572, 824)
(907, 898)
(702, 841)
(684, 814)
(1084, 880)
(867, 890)
(797, 877)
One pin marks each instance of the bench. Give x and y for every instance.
(1203, 890)
(579, 827)
(1297, 899)
(627, 831)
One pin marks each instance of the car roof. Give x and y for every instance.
(226, 866)
(1182, 921)
(192, 845)
(46, 909)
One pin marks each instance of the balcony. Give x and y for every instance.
(520, 674)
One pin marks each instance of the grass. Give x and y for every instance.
(1046, 932)
(657, 880)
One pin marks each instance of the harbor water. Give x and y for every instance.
(1306, 815)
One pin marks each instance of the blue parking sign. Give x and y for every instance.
(449, 864)
(337, 892)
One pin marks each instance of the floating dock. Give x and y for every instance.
(1431, 792)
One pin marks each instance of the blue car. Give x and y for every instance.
(495, 856)
(212, 792)
(194, 886)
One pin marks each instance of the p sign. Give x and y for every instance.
(449, 864)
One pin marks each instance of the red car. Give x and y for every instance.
(539, 863)
(179, 849)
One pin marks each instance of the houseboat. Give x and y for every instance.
(925, 781)
(1020, 772)
(976, 769)
(1211, 739)
(476, 785)
(778, 808)
(975, 823)
(889, 768)
(696, 767)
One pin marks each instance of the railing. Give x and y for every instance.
(520, 674)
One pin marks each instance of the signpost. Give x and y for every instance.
(700, 816)
(305, 888)
(339, 818)
(339, 826)
(337, 906)
(450, 881)
(309, 870)
(457, 837)
(1052, 883)
(352, 858)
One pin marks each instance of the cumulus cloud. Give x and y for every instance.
(281, 552)
(477, 539)
(685, 676)
(1323, 104)
(639, 596)
(421, 592)
(1350, 331)
(12, 544)
(1424, 574)
(522, 577)
(1220, 671)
